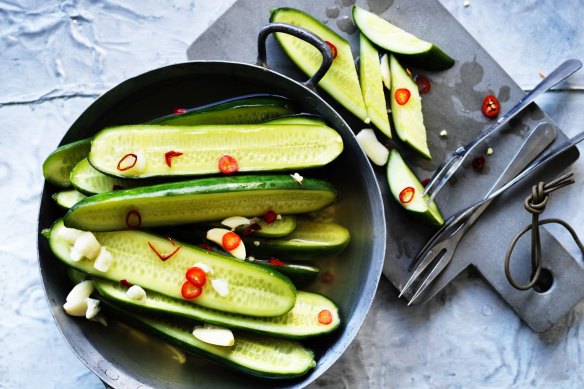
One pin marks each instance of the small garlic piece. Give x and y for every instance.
(375, 150)
(135, 292)
(235, 221)
(256, 243)
(216, 335)
(76, 300)
(466, 3)
(92, 308)
(444, 133)
(104, 260)
(86, 246)
(70, 235)
(204, 267)
(297, 177)
(489, 151)
(221, 286)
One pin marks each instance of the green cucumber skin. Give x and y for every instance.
(240, 110)
(301, 275)
(433, 58)
(296, 324)
(348, 94)
(255, 147)
(136, 262)
(58, 165)
(284, 358)
(189, 201)
(304, 243)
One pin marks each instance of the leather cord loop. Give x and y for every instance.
(536, 204)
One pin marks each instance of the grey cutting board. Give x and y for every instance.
(453, 104)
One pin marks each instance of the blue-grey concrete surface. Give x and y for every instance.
(57, 57)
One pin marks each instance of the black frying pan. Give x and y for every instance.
(124, 358)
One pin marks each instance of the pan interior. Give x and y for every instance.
(123, 357)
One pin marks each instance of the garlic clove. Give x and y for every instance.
(235, 221)
(375, 150)
(136, 292)
(104, 260)
(215, 335)
(86, 246)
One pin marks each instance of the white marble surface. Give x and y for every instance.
(57, 57)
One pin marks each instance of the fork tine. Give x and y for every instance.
(452, 168)
(420, 269)
(436, 271)
(437, 176)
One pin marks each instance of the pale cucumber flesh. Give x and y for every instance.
(341, 80)
(68, 198)
(261, 147)
(372, 86)
(408, 118)
(252, 290)
(300, 322)
(86, 179)
(200, 200)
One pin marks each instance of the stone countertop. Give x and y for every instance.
(57, 57)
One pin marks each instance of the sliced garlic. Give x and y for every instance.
(375, 150)
(444, 133)
(221, 286)
(76, 300)
(104, 260)
(216, 235)
(385, 74)
(136, 292)
(85, 246)
(235, 221)
(215, 335)
(490, 151)
(70, 235)
(297, 177)
(92, 308)
(203, 266)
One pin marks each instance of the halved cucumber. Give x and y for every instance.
(199, 200)
(252, 289)
(407, 117)
(309, 240)
(400, 177)
(68, 198)
(259, 147)
(372, 86)
(58, 165)
(257, 355)
(239, 110)
(341, 81)
(88, 180)
(298, 323)
(409, 47)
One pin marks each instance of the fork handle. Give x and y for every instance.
(562, 72)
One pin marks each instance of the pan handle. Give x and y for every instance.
(307, 36)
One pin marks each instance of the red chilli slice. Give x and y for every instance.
(491, 106)
(190, 291)
(402, 96)
(333, 48)
(164, 257)
(276, 262)
(407, 195)
(169, 155)
(270, 217)
(126, 283)
(133, 219)
(325, 317)
(424, 84)
(179, 111)
(228, 164)
(197, 276)
(128, 161)
(230, 241)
